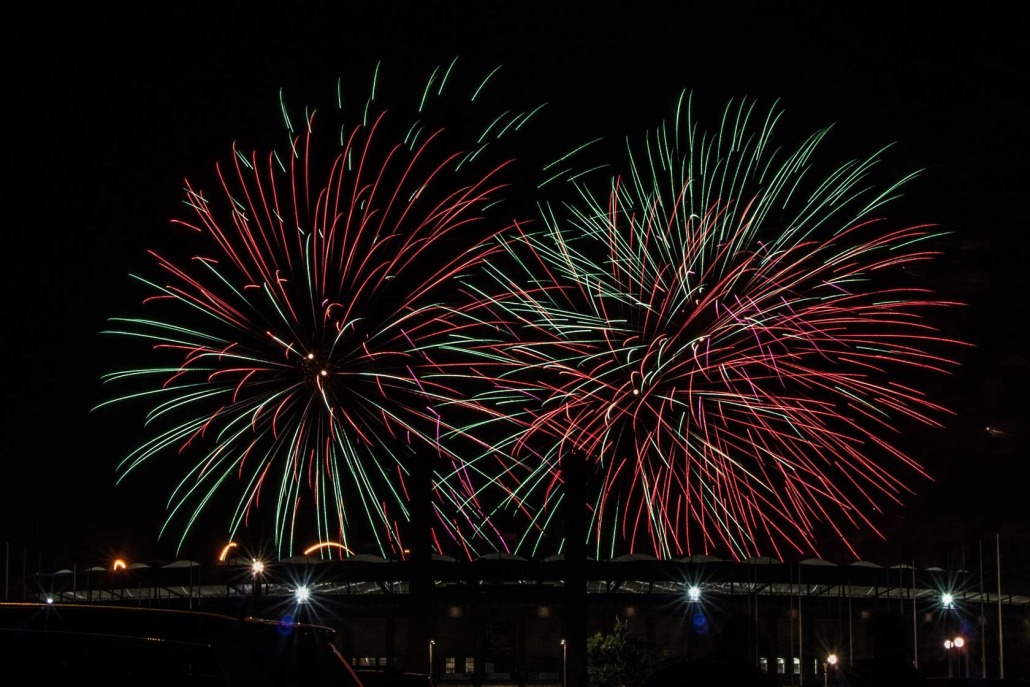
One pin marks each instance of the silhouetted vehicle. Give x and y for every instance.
(80, 644)
(391, 677)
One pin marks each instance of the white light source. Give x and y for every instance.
(831, 661)
(948, 600)
(303, 594)
(694, 593)
(564, 663)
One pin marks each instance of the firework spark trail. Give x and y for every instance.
(298, 339)
(721, 335)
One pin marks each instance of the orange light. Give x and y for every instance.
(225, 550)
(119, 564)
(326, 545)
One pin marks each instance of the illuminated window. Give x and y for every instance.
(781, 666)
(448, 665)
(470, 665)
(797, 665)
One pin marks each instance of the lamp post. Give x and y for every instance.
(830, 662)
(432, 643)
(695, 614)
(948, 644)
(959, 643)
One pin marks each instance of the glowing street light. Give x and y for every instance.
(256, 569)
(957, 643)
(694, 593)
(830, 662)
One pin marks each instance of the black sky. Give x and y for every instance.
(107, 111)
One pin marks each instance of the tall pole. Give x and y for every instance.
(574, 477)
(851, 629)
(1001, 642)
(983, 617)
(431, 644)
(420, 584)
(801, 635)
(790, 620)
(915, 621)
(754, 595)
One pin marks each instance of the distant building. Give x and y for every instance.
(501, 620)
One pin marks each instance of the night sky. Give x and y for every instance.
(106, 113)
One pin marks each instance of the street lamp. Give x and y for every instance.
(256, 569)
(830, 662)
(957, 643)
(432, 643)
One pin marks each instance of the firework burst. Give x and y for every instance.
(289, 352)
(721, 344)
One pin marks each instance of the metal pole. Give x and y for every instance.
(851, 629)
(801, 635)
(915, 621)
(983, 617)
(575, 601)
(564, 663)
(1001, 643)
(790, 620)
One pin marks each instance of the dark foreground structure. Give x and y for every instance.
(504, 621)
